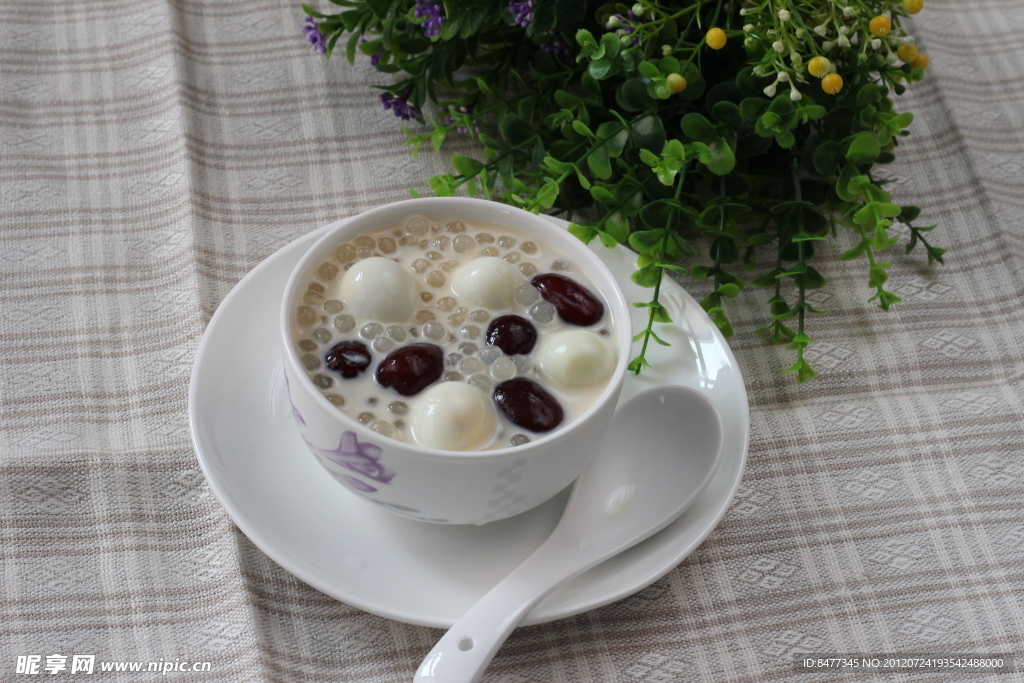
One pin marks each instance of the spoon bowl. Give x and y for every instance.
(662, 449)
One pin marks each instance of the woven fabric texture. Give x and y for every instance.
(152, 152)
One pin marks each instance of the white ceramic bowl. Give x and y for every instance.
(451, 487)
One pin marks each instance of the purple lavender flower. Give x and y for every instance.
(400, 105)
(374, 58)
(624, 25)
(521, 11)
(557, 48)
(450, 119)
(434, 13)
(317, 40)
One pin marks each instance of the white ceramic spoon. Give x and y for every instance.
(662, 449)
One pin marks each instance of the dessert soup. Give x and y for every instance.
(455, 335)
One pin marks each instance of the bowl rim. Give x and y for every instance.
(388, 214)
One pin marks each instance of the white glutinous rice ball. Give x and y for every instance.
(377, 288)
(487, 281)
(574, 358)
(452, 416)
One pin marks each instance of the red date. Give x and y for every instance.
(512, 334)
(575, 303)
(412, 368)
(348, 358)
(528, 405)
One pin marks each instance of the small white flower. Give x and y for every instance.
(784, 14)
(779, 47)
(794, 94)
(666, 50)
(843, 41)
(821, 30)
(847, 12)
(827, 45)
(744, 12)
(613, 22)
(909, 40)
(770, 90)
(747, 28)
(876, 43)
(783, 77)
(890, 58)
(638, 9)
(626, 40)
(844, 30)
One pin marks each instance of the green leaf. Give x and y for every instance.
(696, 127)
(615, 136)
(465, 166)
(617, 226)
(645, 241)
(727, 112)
(863, 149)
(718, 156)
(902, 120)
(599, 163)
(648, 276)
(441, 185)
(648, 70)
(908, 214)
(638, 364)
(648, 133)
(803, 371)
(583, 129)
(752, 107)
(515, 130)
(868, 95)
(728, 290)
(311, 11)
(826, 158)
(856, 252)
(649, 157)
(603, 195)
(632, 96)
(847, 175)
(547, 193)
(785, 138)
(682, 245)
(584, 233)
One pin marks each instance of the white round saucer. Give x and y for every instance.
(415, 572)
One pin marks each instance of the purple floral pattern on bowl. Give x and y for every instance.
(357, 484)
(360, 458)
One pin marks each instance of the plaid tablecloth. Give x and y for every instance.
(152, 152)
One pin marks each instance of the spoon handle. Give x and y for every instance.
(463, 653)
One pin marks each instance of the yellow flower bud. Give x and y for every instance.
(880, 26)
(832, 83)
(913, 6)
(818, 66)
(921, 60)
(906, 53)
(676, 82)
(715, 39)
